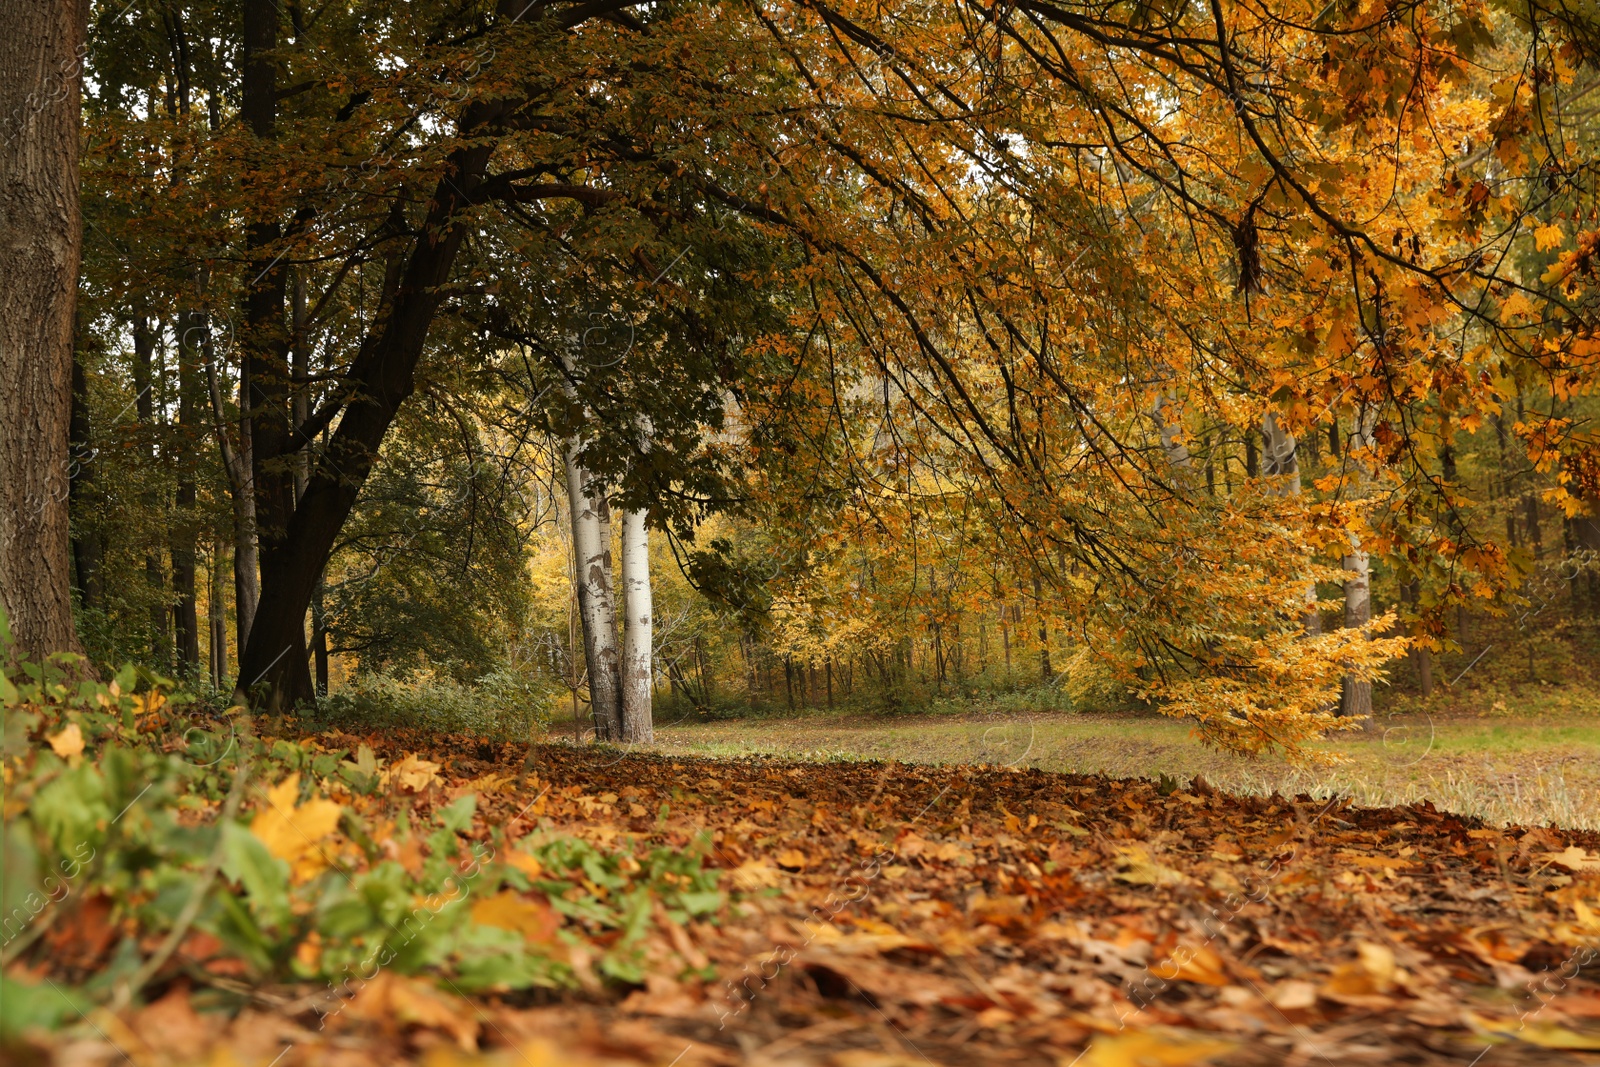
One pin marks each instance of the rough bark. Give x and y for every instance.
(40, 241)
(591, 546)
(638, 637)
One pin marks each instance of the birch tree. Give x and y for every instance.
(638, 631)
(591, 545)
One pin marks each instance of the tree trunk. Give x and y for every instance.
(637, 724)
(41, 234)
(591, 545)
(265, 378)
(184, 533)
(1282, 462)
(144, 384)
(1356, 696)
(1046, 674)
(319, 638)
(217, 623)
(1421, 657)
(236, 461)
(382, 376)
(88, 549)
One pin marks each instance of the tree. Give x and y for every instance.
(41, 63)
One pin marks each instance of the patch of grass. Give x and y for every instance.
(1537, 768)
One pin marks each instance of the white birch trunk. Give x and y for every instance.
(637, 635)
(591, 546)
(1281, 460)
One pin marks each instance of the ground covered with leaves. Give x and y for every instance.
(388, 899)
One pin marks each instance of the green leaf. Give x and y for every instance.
(264, 876)
(26, 1007)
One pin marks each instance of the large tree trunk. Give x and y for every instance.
(41, 234)
(381, 377)
(591, 546)
(637, 641)
(1282, 463)
(265, 347)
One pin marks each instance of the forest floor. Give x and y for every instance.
(1529, 755)
(893, 915)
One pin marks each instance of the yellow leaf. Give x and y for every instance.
(792, 858)
(413, 773)
(508, 910)
(1548, 237)
(69, 742)
(1137, 868)
(1187, 964)
(1515, 304)
(754, 874)
(1541, 1034)
(1153, 1048)
(524, 863)
(1572, 858)
(390, 998)
(292, 833)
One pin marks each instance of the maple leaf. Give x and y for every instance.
(1573, 858)
(1155, 1047)
(68, 744)
(508, 910)
(412, 773)
(293, 833)
(1136, 867)
(390, 998)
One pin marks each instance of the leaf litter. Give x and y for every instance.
(874, 915)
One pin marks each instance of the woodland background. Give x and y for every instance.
(397, 397)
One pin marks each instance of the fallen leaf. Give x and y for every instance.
(69, 742)
(292, 833)
(507, 910)
(1573, 858)
(1534, 1032)
(392, 998)
(1153, 1048)
(413, 773)
(1137, 868)
(754, 874)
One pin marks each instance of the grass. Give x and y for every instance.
(1536, 765)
